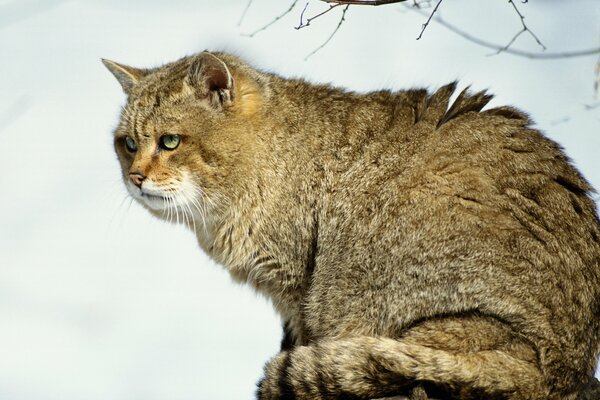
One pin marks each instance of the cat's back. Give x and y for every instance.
(488, 165)
(457, 209)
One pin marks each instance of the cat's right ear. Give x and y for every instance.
(127, 76)
(211, 79)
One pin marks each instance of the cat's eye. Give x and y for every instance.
(130, 144)
(169, 142)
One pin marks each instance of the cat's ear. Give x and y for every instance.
(127, 76)
(211, 79)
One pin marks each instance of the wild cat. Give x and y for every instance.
(411, 247)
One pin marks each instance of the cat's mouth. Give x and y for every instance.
(169, 197)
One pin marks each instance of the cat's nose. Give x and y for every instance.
(137, 178)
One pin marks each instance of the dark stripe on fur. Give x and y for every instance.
(287, 342)
(465, 103)
(259, 389)
(286, 390)
(509, 113)
(321, 385)
(570, 186)
(591, 392)
(311, 261)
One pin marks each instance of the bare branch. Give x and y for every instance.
(302, 15)
(309, 20)
(379, 3)
(525, 29)
(342, 19)
(363, 2)
(429, 19)
(516, 52)
(244, 12)
(289, 10)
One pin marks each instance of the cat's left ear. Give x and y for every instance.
(210, 77)
(127, 76)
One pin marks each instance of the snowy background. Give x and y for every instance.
(100, 301)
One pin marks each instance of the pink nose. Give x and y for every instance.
(137, 178)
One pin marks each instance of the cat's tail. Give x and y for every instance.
(367, 367)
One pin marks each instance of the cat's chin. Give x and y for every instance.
(155, 203)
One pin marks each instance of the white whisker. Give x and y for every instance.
(173, 208)
(186, 203)
(167, 211)
(201, 212)
(119, 209)
(182, 204)
(170, 211)
(201, 205)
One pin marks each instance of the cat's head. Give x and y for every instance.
(184, 139)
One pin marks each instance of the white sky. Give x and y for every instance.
(100, 301)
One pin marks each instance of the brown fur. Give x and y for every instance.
(411, 246)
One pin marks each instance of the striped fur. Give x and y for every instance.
(368, 368)
(413, 246)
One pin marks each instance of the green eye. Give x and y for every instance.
(130, 144)
(169, 142)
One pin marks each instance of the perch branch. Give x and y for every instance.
(334, 3)
(363, 2)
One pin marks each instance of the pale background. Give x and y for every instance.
(100, 301)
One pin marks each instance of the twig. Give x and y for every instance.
(244, 12)
(429, 19)
(525, 29)
(309, 20)
(289, 10)
(342, 19)
(516, 52)
(302, 14)
(416, 3)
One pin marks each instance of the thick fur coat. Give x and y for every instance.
(412, 245)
